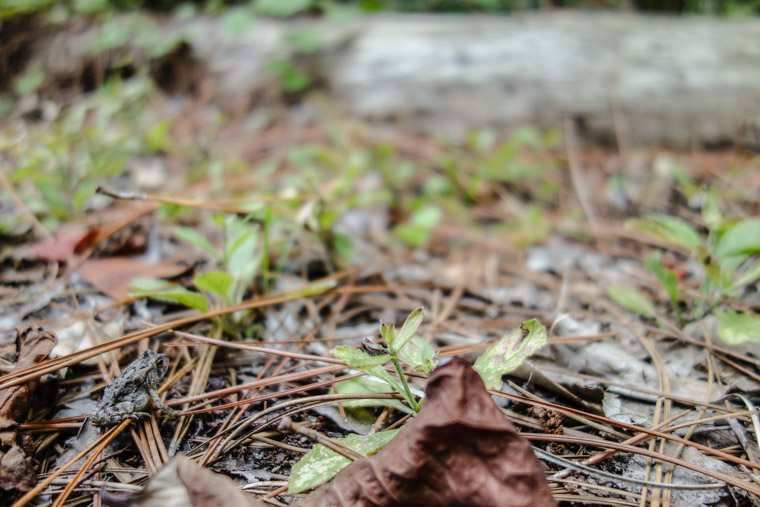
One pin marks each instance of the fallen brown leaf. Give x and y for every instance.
(459, 450)
(113, 275)
(65, 243)
(16, 459)
(182, 482)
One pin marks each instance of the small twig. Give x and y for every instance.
(104, 441)
(287, 425)
(576, 174)
(578, 467)
(130, 196)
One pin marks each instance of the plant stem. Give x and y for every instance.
(407, 392)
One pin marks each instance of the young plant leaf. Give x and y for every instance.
(162, 290)
(666, 277)
(510, 352)
(406, 332)
(362, 385)
(630, 298)
(216, 282)
(751, 274)
(241, 257)
(742, 238)
(670, 229)
(359, 359)
(316, 288)
(321, 464)
(195, 238)
(419, 355)
(735, 328)
(711, 214)
(386, 334)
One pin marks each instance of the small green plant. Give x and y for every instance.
(728, 256)
(59, 161)
(520, 161)
(321, 464)
(423, 359)
(240, 258)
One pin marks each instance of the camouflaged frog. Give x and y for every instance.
(131, 392)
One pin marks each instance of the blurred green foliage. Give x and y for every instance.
(291, 8)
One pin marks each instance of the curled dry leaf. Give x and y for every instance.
(182, 482)
(459, 450)
(113, 275)
(66, 243)
(16, 463)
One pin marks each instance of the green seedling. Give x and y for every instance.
(58, 161)
(729, 256)
(321, 464)
(395, 342)
(240, 258)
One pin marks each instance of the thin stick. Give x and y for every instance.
(106, 439)
(576, 174)
(289, 426)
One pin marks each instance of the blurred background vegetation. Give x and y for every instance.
(60, 10)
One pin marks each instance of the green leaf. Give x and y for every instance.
(427, 216)
(342, 245)
(216, 282)
(28, 82)
(630, 298)
(419, 355)
(413, 235)
(742, 238)
(388, 333)
(711, 214)
(735, 328)
(321, 464)
(162, 290)
(670, 229)
(362, 385)
(281, 8)
(241, 259)
(157, 137)
(666, 277)
(510, 352)
(195, 238)
(236, 21)
(417, 231)
(305, 41)
(406, 332)
(751, 274)
(359, 359)
(316, 288)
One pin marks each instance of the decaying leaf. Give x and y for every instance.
(66, 243)
(16, 460)
(508, 353)
(113, 275)
(321, 464)
(182, 482)
(459, 450)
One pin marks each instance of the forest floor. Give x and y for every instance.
(247, 248)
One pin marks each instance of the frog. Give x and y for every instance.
(129, 394)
